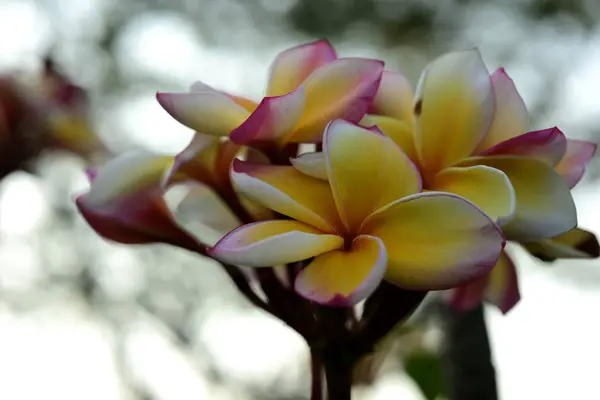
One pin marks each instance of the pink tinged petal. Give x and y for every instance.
(577, 243)
(503, 286)
(273, 120)
(547, 145)
(208, 112)
(366, 171)
(343, 278)
(453, 109)
(288, 192)
(270, 243)
(311, 164)
(291, 67)
(545, 207)
(510, 114)
(125, 203)
(242, 101)
(91, 173)
(468, 296)
(572, 167)
(394, 97)
(341, 89)
(489, 188)
(435, 241)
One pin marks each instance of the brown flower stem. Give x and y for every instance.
(338, 374)
(467, 356)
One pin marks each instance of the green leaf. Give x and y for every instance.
(425, 368)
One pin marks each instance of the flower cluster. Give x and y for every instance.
(346, 177)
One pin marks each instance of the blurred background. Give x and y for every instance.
(83, 318)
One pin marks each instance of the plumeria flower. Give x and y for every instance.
(367, 221)
(126, 202)
(308, 87)
(467, 132)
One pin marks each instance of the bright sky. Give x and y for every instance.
(547, 348)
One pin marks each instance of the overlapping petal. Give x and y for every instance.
(288, 192)
(435, 240)
(209, 112)
(577, 243)
(487, 187)
(125, 203)
(344, 277)
(545, 207)
(394, 98)
(468, 296)
(453, 109)
(270, 243)
(273, 120)
(291, 67)
(311, 164)
(547, 145)
(503, 286)
(572, 166)
(510, 114)
(248, 104)
(366, 171)
(343, 89)
(399, 131)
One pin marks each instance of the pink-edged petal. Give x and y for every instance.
(467, 296)
(288, 192)
(577, 243)
(206, 159)
(270, 243)
(453, 109)
(209, 112)
(545, 207)
(547, 145)
(394, 98)
(291, 67)
(503, 286)
(510, 114)
(342, 89)
(489, 188)
(311, 164)
(366, 171)
(273, 120)
(343, 278)
(125, 203)
(248, 104)
(435, 240)
(572, 166)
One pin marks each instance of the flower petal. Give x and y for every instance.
(366, 171)
(291, 67)
(289, 192)
(273, 120)
(547, 145)
(394, 98)
(344, 277)
(208, 112)
(242, 101)
(453, 109)
(342, 89)
(577, 243)
(572, 167)
(545, 207)
(400, 132)
(271, 243)
(503, 286)
(435, 240)
(125, 203)
(510, 114)
(311, 164)
(489, 188)
(468, 296)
